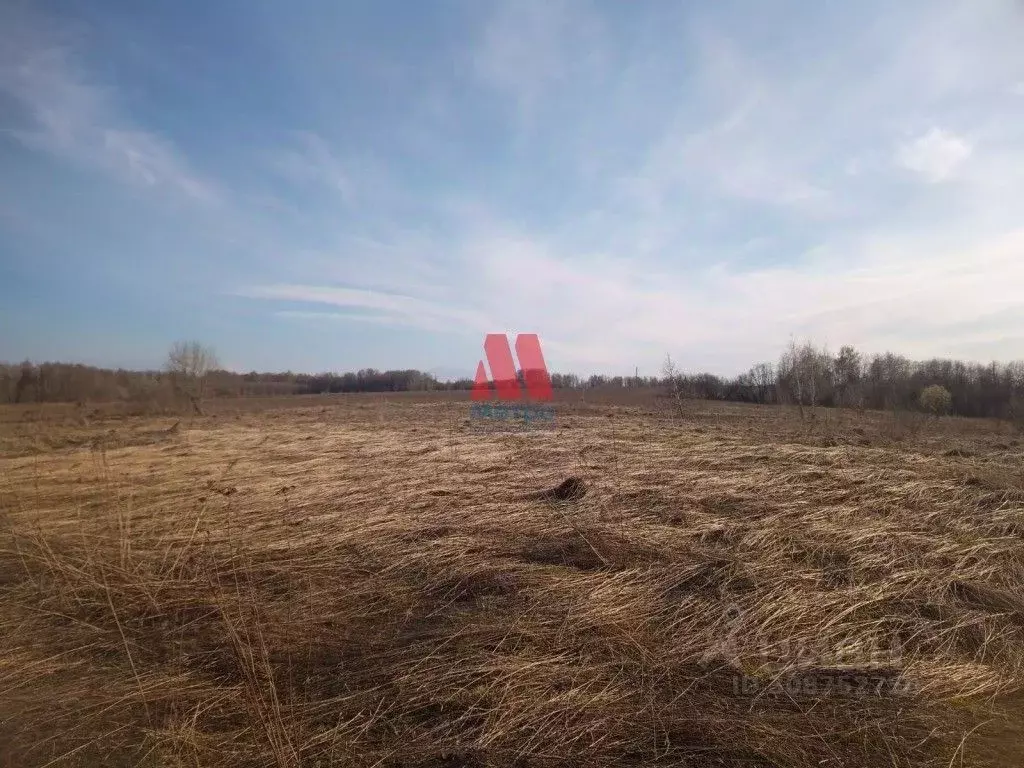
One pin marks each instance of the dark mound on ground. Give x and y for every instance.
(570, 489)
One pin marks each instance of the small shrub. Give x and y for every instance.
(936, 400)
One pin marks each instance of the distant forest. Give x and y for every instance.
(805, 374)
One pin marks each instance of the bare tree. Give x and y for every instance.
(806, 372)
(790, 372)
(672, 376)
(762, 377)
(189, 363)
(846, 372)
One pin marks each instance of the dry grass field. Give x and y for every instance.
(368, 581)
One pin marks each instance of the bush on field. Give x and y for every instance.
(936, 400)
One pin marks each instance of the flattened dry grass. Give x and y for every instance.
(372, 584)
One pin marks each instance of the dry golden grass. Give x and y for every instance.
(364, 581)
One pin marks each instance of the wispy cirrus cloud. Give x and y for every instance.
(921, 296)
(313, 160)
(377, 306)
(64, 111)
(627, 180)
(763, 199)
(527, 51)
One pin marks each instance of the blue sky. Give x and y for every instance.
(327, 185)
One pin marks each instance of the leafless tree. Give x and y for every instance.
(805, 372)
(762, 377)
(790, 378)
(846, 374)
(188, 364)
(672, 376)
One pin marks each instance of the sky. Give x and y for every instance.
(323, 185)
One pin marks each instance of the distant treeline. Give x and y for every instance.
(804, 375)
(28, 382)
(810, 375)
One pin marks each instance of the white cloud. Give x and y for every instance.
(734, 135)
(935, 155)
(753, 148)
(528, 49)
(677, 191)
(73, 117)
(518, 52)
(917, 293)
(918, 296)
(769, 152)
(313, 159)
(376, 306)
(145, 158)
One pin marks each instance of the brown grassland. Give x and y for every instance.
(367, 581)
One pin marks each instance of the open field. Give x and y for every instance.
(366, 581)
